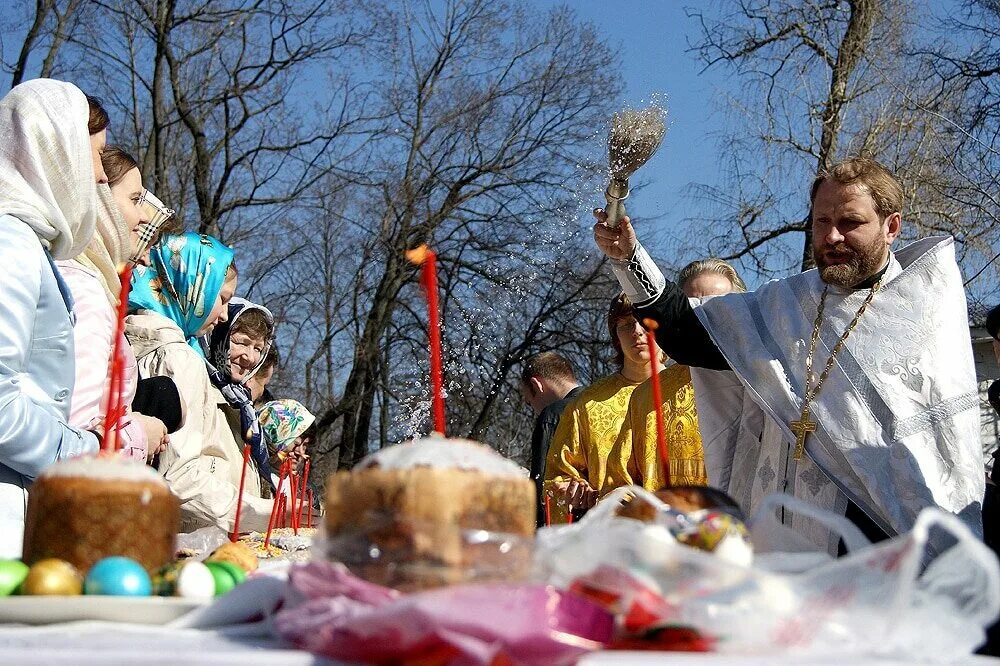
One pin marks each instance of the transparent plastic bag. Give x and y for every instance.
(892, 598)
(407, 554)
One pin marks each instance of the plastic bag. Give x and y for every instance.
(408, 554)
(879, 599)
(331, 612)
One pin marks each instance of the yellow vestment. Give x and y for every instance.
(586, 435)
(636, 458)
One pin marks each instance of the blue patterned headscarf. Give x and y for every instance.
(185, 276)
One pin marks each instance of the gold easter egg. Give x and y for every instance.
(52, 576)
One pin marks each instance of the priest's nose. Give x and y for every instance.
(833, 235)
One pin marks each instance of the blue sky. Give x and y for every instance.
(653, 36)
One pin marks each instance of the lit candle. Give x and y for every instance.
(423, 256)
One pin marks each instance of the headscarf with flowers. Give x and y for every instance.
(182, 282)
(283, 421)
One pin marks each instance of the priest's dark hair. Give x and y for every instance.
(881, 184)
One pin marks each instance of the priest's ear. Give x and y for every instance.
(891, 226)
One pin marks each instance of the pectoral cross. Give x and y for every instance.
(802, 428)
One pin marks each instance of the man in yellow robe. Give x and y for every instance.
(577, 465)
(636, 458)
(643, 464)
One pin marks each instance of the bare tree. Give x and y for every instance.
(220, 96)
(823, 79)
(962, 62)
(487, 111)
(51, 25)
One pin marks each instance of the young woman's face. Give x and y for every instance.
(220, 311)
(97, 144)
(128, 193)
(244, 354)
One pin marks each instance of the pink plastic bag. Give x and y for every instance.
(330, 612)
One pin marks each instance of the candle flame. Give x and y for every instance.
(418, 255)
(650, 324)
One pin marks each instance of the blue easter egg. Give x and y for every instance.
(118, 576)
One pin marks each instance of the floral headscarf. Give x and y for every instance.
(185, 276)
(283, 421)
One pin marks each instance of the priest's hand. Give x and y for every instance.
(617, 242)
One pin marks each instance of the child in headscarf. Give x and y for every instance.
(49, 164)
(178, 298)
(285, 424)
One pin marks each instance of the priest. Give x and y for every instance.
(856, 388)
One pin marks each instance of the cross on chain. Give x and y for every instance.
(802, 428)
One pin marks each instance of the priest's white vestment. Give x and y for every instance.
(898, 417)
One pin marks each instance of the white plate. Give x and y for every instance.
(134, 610)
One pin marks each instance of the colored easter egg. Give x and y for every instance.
(195, 581)
(12, 574)
(226, 575)
(238, 574)
(188, 579)
(118, 576)
(52, 576)
(165, 579)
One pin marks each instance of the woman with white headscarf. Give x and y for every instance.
(49, 163)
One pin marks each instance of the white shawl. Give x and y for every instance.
(46, 169)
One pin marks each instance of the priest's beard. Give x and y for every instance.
(860, 265)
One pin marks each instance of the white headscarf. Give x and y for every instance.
(46, 170)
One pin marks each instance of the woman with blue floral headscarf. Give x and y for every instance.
(178, 298)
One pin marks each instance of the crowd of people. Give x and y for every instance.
(75, 220)
(851, 386)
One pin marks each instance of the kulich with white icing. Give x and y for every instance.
(411, 516)
(85, 509)
(442, 453)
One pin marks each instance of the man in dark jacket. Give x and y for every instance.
(548, 383)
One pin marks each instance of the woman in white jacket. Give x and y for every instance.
(177, 299)
(49, 164)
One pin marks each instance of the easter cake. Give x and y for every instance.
(84, 509)
(432, 512)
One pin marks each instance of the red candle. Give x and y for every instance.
(277, 504)
(425, 257)
(239, 496)
(293, 485)
(302, 492)
(548, 511)
(309, 516)
(115, 405)
(569, 514)
(654, 369)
